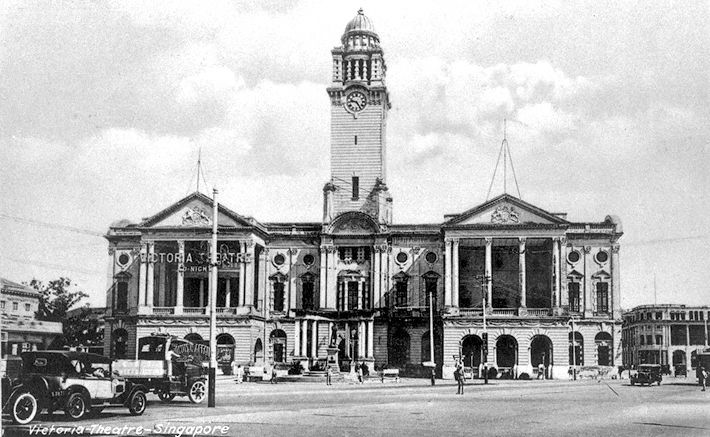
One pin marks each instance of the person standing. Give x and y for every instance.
(328, 375)
(458, 375)
(360, 374)
(240, 374)
(703, 376)
(540, 371)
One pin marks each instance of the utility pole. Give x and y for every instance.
(431, 337)
(574, 352)
(213, 305)
(484, 280)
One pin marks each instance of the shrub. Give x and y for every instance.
(524, 376)
(295, 368)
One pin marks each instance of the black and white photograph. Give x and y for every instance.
(307, 217)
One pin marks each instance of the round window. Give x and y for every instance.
(430, 257)
(602, 256)
(279, 259)
(573, 256)
(309, 260)
(123, 259)
(402, 257)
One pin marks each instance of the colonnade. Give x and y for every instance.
(451, 270)
(146, 276)
(365, 334)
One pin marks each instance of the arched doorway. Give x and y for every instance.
(506, 352)
(679, 358)
(472, 351)
(576, 349)
(258, 350)
(540, 351)
(603, 341)
(278, 343)
(225, 349)
(399, 348)
(118, 346)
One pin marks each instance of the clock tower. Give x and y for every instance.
(359, 104)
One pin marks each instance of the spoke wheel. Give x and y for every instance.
(76, 406)
(166, 396)
(24, 408)
(137, 404)
(197, 392)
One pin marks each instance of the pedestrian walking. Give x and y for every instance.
(540, 371)
(360, 375)
(240, 374)
(273, 375)
(328, 375)
(703, 377)
(458, 375)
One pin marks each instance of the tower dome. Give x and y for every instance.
(360, 30)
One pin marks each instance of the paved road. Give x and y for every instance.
(413, 408)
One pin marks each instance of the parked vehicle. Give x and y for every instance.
(168, 366)
(647, 374)
(77, 382)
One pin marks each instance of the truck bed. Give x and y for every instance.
(142, 368)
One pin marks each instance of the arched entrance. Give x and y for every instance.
(225, 349)
(576, 349)
(679, 358)
(472, 351)
(399, 348)
(258, 350)
(603, 341)
(540, 351)
(278, 343)
(193, 337)
(506, 352)
(118, 346)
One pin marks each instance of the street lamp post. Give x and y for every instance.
(431, 337)
(213, 306)
(574, 352)
(484, 293)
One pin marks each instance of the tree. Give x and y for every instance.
(83, 329)
(56, 298)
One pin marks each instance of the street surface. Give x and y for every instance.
(411, 407)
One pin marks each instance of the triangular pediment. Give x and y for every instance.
(194, 211)
(505, 210)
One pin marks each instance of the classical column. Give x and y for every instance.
(304, 337)
(291, 286)
(447, 272)
(150, 275)
(455, 273)
(371, 339)
(228, 293)
(346, 294)
(347, 339)
(587, 283)
(375, 288)
(242, 274)
(161, 285)
(330, 333)
(360, 284)
(361, 340)
(323, 278)
(332, 276)
(202, 292)
(489, 272)
(249, 274)
(142, 275)
(521, 269)
(180, 277)
(615, 283)
(314, 339)
(297, 338)
(556, 271)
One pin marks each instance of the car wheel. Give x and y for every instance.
(24, 408)
(166, 396)
(76, 406)
(137, 404)
(197, 391)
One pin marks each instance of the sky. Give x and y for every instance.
(104, 106)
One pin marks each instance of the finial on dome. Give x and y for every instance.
(360, 11)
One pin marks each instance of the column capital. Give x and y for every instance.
(331, 249)
(291, 251)
(249, 244)
(324, 249)
(111, 250)
(563, 241)
(615, 248)
(181, 245)
(448, 241)
(489, 241)
(522, 240)
(587, 249)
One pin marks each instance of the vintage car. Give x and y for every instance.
(79, 383)
(647, 374)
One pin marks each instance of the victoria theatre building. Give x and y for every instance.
(355, 280)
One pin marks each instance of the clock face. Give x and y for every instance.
(355, 101)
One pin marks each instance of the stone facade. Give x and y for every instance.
(357, 281)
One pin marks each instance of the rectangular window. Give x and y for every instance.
(28, 307)
(659, 316)
(642, 340)
(307, 296)
(122, 296)
(2, 304)
(352, 295)
(573, 296)
(356, 187)
(603, 297)
(278, 296)
(679, 335)
(430, 287)
(401, 297)
(356, 140)
(659, 339)
(649, 339)
(14, 306)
